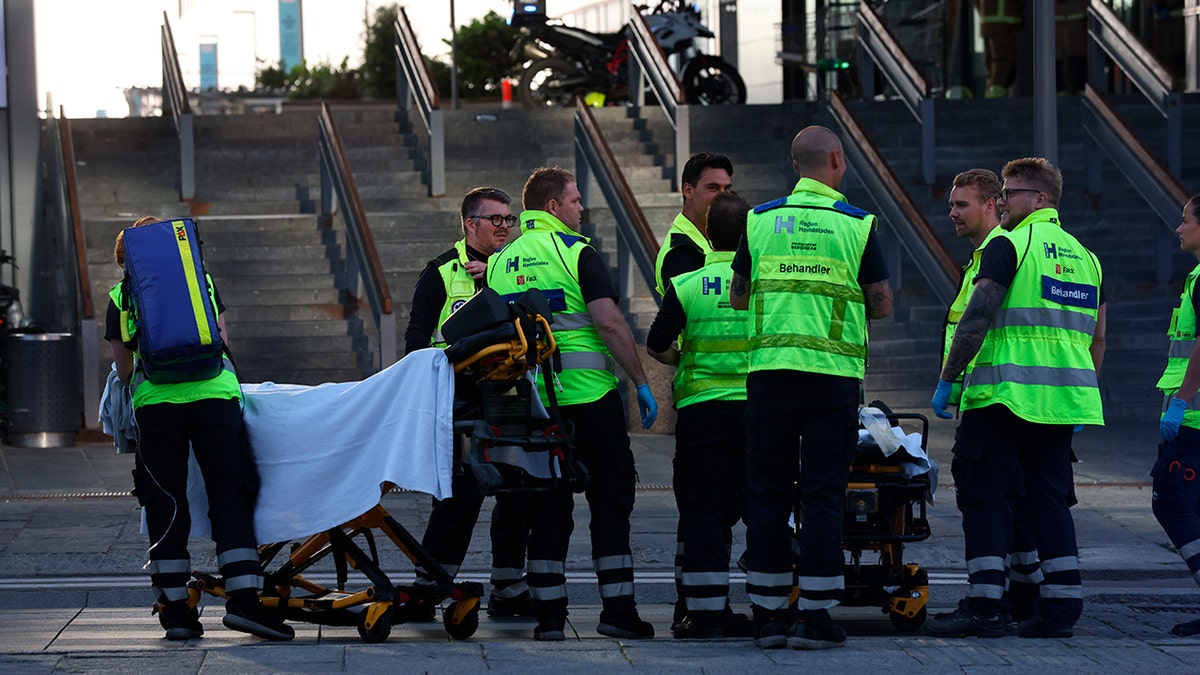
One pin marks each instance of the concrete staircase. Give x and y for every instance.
(258, 183)
(280, 275)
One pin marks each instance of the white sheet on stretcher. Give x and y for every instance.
(324, 451)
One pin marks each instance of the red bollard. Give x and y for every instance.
(506, 93)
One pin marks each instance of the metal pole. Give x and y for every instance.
(453, 60)
(1045, 127)
(1191, 42)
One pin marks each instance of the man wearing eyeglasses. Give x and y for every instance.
(445, 284)
(1030, 341)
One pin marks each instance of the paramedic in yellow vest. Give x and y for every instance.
(1030, 341)
(707, 341)
(975, 216)
(705, 175)
(1176, 474)
(592, 335)
(445, 284)
(811, 273)
(999, 23)
(208, 415)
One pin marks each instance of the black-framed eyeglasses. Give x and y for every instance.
(1007, 193)
(498, 220)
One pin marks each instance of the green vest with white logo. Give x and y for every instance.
(808, 308)
(224, 385)
(715, 343)
(546, 257)
(1182, 340)
(460, 287)
(685, 229)
(955, 312)
(1036, 358)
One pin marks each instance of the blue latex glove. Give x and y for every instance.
(647, 405)
(1078, 428)
(941, 398)
(1169, 425)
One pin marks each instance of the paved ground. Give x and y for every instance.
(74, 599)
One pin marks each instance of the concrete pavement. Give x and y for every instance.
(73, 597)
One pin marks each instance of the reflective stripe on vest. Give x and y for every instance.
(546, 256)
(1035, 358)
(1182, 335)
(714, 346)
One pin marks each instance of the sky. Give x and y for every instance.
(88, 51)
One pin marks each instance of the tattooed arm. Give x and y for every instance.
(985, 301)
(879, 299)
(739, 292)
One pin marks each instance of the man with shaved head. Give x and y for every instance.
(812, 270)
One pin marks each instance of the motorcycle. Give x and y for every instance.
(563, 62)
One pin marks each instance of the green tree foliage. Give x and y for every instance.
(482, 52)
(379, 54)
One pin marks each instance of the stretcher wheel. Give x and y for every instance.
(376, 633)
(908, 624)
(465, 627)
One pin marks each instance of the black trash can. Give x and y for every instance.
(44, 389)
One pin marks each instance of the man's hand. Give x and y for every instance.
(941, 398)
(476, 268)
(1169, 425)
(647, 405)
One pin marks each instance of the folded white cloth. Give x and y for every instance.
(323, 452)
(116, 412)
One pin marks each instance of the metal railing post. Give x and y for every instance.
(187, 157)
(1045, 98)
(683, 142)
(437, 153)
(1191, 41)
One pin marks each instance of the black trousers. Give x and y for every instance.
(710, 492)
(993, 445)
(214, 429)
(1176, 498)
(451, 522)
(801, 429)
(602, 444)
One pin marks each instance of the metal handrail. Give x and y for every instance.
(1107, 35)
(1162, 191)
(636, 242)
(76, 311)
(896, 208)
(175, 101)
(649, 61)
(413, 82)
(362, 261)
(879, 49)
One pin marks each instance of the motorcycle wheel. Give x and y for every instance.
(549, 83)
(710, 80)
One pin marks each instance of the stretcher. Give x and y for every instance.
(494, 346)
(884, 512)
